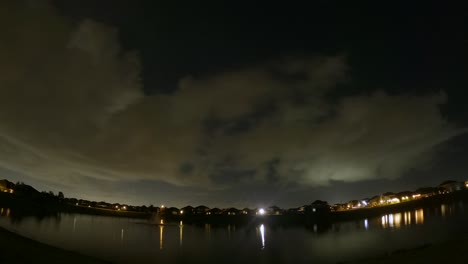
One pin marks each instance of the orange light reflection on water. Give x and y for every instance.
(402, 219)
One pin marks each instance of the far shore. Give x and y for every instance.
(22, 207)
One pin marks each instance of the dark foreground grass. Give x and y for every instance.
(18, 249)
(452, 251)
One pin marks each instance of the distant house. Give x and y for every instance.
(404, 196)
(172, 211)
(294, 211)
(338, 207)
(214, 211)
(375, 201)
(187, 210)
(353, 204)
(247, 211)
(425, 192)
(452, 186)
(389, 198)
(201, 210)
(318, 206)
(274, 210)
(104, 205)
(7, 186)
(231, 212)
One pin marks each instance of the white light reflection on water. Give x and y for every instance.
(262, 234)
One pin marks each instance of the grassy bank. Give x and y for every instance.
(17, 249)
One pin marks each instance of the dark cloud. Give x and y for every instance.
(73, 116)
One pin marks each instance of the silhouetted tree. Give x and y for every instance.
(60, 195)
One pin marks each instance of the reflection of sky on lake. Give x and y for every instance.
(132, 240)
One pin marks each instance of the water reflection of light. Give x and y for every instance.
(397, 220)
(5, 212)
(384, 221)
(208, 230)
(407, 218)
(74, 224)
(366, 224)
(161, 230)
(262, 234)
(229, 231)
(181, 232)
(443, 209)
(419, 216)
(390, 220)
(122, 235)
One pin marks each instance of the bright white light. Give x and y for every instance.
(181, 211)
(364, 203)
(261, 211)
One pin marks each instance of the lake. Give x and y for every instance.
(125, 240)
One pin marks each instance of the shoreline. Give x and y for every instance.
(25, 206)
(15, 248)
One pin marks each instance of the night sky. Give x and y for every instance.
(232, 104)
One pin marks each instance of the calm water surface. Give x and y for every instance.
(125, 240)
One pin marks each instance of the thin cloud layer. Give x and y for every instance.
(72, 112)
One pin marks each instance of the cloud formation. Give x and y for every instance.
(72, 112)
